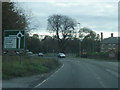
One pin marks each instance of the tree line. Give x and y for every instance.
(50, 44)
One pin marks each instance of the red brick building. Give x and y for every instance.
(111, 45)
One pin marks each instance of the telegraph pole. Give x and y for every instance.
(79, 42)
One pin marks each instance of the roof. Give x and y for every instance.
(111, 40)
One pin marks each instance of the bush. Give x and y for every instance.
(101, 55)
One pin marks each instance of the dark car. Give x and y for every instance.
(61, 55)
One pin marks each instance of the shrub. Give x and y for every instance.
(101, 55)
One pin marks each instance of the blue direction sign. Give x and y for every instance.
(14, 39)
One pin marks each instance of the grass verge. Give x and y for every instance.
(11, 66)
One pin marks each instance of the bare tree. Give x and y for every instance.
(90, 40)
(63, 26)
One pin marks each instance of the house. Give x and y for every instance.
(111, 44)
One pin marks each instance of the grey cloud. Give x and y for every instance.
(100, 15)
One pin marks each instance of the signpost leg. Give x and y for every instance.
(19, 39)
(20, 59)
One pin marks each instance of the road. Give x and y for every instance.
(82, 73)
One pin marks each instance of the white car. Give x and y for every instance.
(29, 53)
(40, 54)
(61, 55)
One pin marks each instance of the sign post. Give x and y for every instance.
(14, 40)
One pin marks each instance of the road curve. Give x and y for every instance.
(78, 73)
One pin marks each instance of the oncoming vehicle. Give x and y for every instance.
(28, 53)
(40, 54)
(61, 55)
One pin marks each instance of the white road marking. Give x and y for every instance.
(49, 77)
(112, 72)
(100, 81)
(98, 78)
(40, 84)
(102, 84)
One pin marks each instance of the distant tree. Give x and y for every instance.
(63, 26)
(90, 41)
(27, 41)
(49, 44)
(36, 36)
(12, 18)
(34, 44)
(73, 46)
(83, 32)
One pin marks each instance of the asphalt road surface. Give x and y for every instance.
(83, 74)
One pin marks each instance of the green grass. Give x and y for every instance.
(11, 66)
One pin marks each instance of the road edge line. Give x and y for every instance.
(48, 77)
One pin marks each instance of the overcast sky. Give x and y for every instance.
(98, 15)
